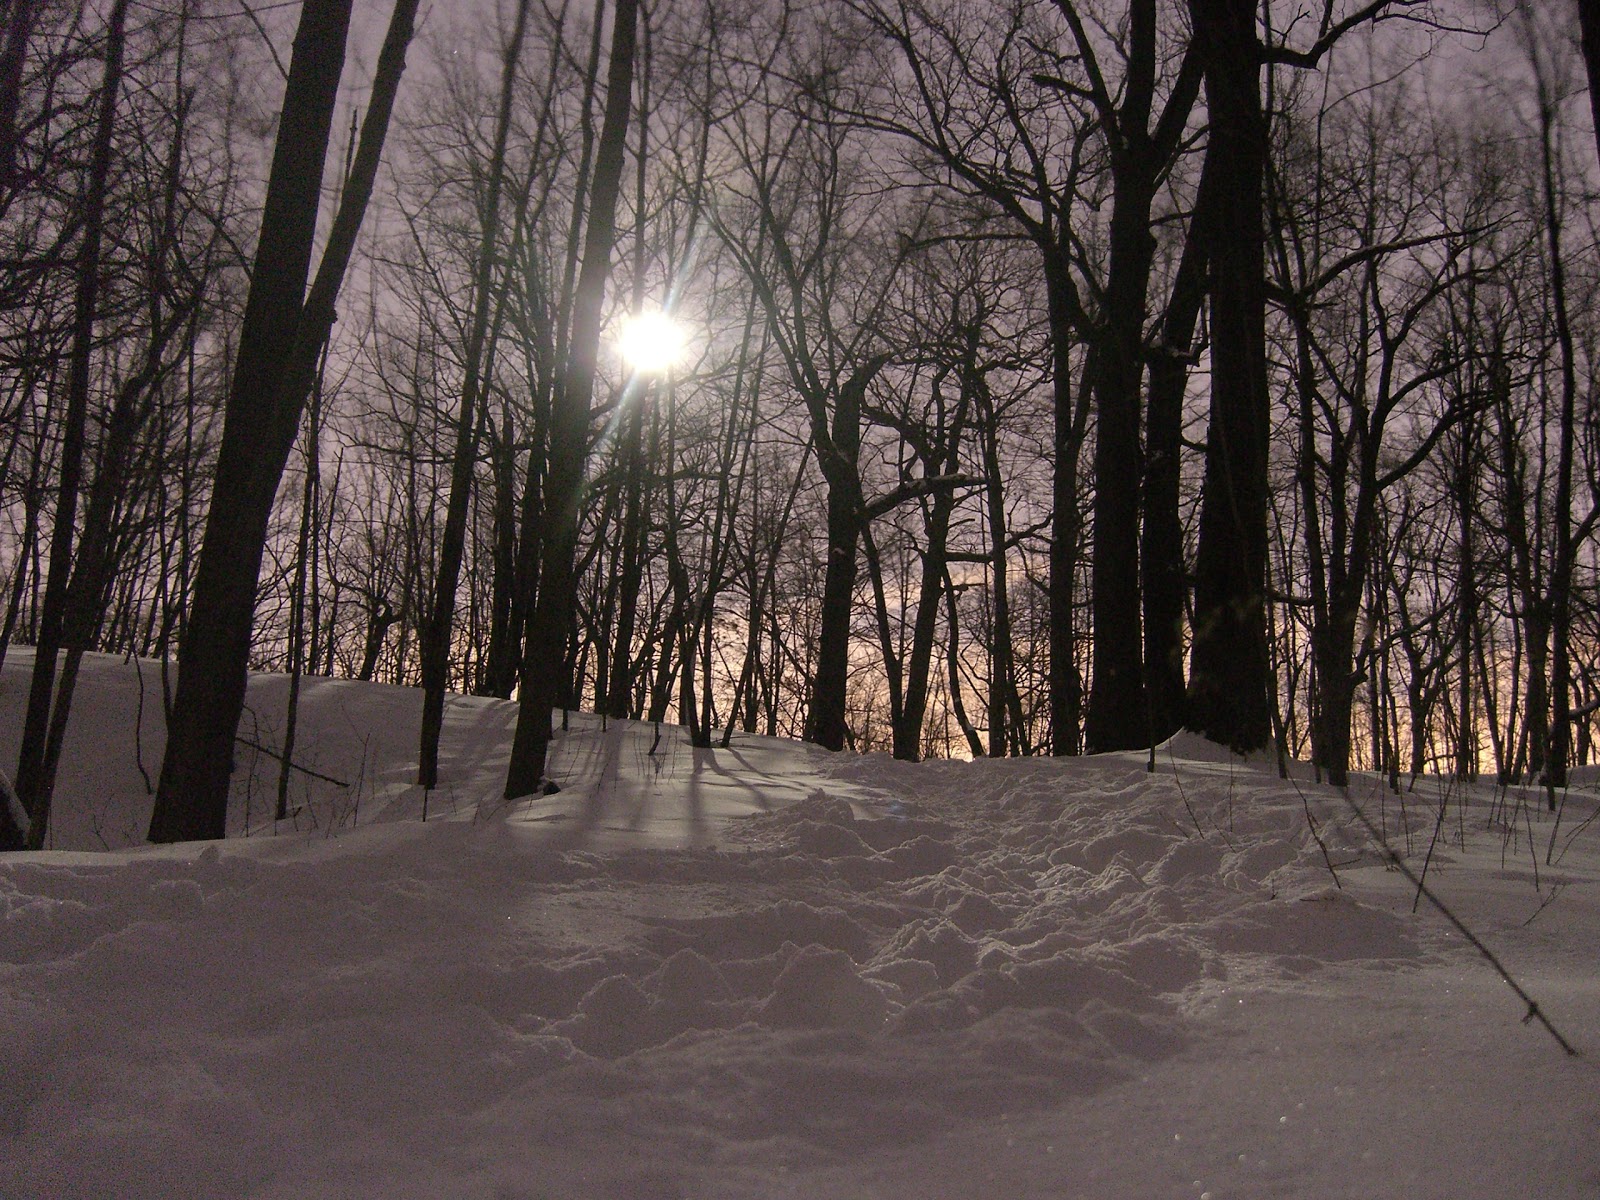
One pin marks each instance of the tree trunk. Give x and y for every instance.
(305, 550)
(17, 18)
(500, 669)
(32, 785)
(1467, 602)
(919, 662)
(1589, 26)
(1562, 568)
(280, 341)
(545, 655)
(1118, 718)
(1161, 549)
(827, 721)
(631, 547)
(1066, 686)
(1229, 671)
(953, 669)
(436, 632)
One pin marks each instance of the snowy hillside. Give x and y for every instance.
(768, 971)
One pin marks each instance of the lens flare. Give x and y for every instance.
(652, 342)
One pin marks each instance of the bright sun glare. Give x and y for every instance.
(652, 342)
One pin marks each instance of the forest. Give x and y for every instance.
(949, 378)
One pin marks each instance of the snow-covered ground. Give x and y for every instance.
(768, 971)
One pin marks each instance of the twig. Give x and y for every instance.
(1534, 1013)
(1555, 890)
(1311, 824)
(254, 745)
(1444, 802)
(1560, 811)
(1184, 795)
(1533, 850)
(1573, 836)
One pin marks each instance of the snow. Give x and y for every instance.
(769, 971)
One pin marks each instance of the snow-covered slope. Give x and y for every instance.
(768, 971)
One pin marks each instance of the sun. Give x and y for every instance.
(652, 342)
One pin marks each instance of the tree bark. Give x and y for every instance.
(17, 18)
(1589, 39)
(631, 547)
(1119, 715)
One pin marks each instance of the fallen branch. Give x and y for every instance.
(293, 766)
(1534, 1013)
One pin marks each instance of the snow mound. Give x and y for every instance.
(853, 956)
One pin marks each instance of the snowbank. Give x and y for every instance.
(771, 972)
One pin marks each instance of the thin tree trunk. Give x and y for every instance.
(32, 502)
(953, 669)
(1071, 418)
(919, 664)
(569, 428)
(436, 632)
(1561, 570)
(631, 546)
(32, 788)
(304, 549)
(500, 667)
(17, 18)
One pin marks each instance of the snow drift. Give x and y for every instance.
(769, 971)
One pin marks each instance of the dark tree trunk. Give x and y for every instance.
(279, 344)
(436, 632)
(1119, 713)
(27, 548)
(1589, 26)
(545, 654)
(305, 554)
(17, 19)
(838, 459)
(1229, 672)
(953, 669)
(1161, 548)
(919, 663)
(1117, 717)
(1563, 566)
(1066, 686)
(631, 538)
(191, 799)
(1467, 599)
(1006, 724)
(500, 669)
(381, 617)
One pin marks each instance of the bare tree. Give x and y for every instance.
(280, 343)
(544, 653)
(33, 781)
(436, 632)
